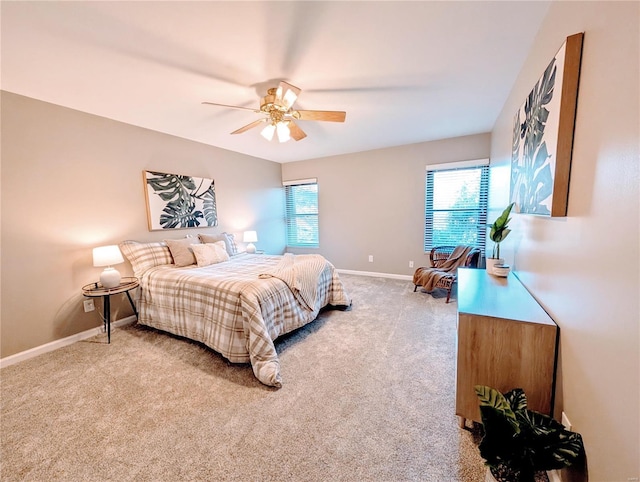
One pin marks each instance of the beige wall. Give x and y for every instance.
(373, 202)
(72, 181)
(584, 268)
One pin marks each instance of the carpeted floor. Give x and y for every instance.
(368, 395)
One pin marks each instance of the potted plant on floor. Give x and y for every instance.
(518, 443)
(499, 231)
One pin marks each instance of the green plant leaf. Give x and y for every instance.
(179, 192)
(499, 226)
(492, 398)
(503, 219)
(540, 443)
(504, 234)
(517, 400)
(180, 214)
(545, 93)
(550, 445)
(543, 183)
(525, 188)
(171, 186)
(209, 207)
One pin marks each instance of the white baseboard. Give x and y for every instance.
(54, 345)
(375, 275)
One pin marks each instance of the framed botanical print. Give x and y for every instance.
(175, 201)
(543, 136)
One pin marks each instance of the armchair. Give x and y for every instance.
(445, 261)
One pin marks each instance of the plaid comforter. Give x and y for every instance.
(233, 310)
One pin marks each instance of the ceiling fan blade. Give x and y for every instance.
(232, 106)
(249, 126)
(287, 94)
(296, 132)
(320, 115)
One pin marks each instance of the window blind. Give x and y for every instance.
(301, 210)
(456, 206)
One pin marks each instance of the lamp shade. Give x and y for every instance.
(284, 134)
(268, 132)
(250, 237)
(107, 256)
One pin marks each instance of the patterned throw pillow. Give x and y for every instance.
(210, 253)
(144, 256)
(229, 241)
(181, 251)
(232, 248)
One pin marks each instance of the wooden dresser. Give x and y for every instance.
(505, 340)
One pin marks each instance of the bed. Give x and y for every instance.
(237, 306)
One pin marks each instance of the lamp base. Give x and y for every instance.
(251, 248)
(110, 277)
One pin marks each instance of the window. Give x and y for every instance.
(301, 211)
(456, 204)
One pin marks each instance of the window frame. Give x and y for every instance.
(292, 239)
(482, 210)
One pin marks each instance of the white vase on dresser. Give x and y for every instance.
(491, 262)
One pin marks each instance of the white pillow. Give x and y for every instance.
(229, 241)
(210, 253)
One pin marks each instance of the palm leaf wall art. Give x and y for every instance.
(543, 136)
(175, 201)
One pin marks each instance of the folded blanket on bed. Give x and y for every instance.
(300, 273)
(428, 277)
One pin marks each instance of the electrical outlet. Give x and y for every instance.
(410, 264)
(370, 258)
(89, 306)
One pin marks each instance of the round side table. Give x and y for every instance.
(95, 290)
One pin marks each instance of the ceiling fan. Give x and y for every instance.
(280, 118)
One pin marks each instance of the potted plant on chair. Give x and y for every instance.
(499, 231)
(520, 444)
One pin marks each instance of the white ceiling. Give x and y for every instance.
(404, 72)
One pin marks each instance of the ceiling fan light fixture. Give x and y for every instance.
(284, 134)
(280, 116)
(268, 132)
(289, 98)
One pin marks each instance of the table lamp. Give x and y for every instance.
(107, 256)
(250, 237)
